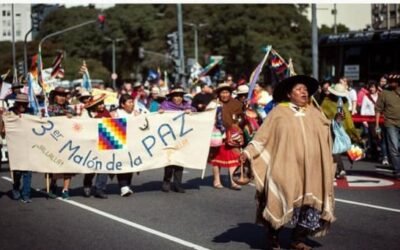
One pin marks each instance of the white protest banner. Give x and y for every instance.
(112, 145)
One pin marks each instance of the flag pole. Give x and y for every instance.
(257, 71)
(47, 182)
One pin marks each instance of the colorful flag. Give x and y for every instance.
(256, 73)
(86, 82)
(33, 102)
(215, 60)
(39, 69)
(279, 65)
(57, 70)
(33, 68)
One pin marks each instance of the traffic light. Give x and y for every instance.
(141, 53)
(101, 20)
(173, 45)
(36, 20)
(20, 68)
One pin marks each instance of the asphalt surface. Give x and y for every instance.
(368, 217)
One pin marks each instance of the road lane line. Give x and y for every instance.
(368, 205)
(127, 222)
(360, 204)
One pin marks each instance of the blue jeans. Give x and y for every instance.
(26, 183)
(392, 136)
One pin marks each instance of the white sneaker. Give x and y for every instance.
(126, 191)
(385, 161)
(342, 173)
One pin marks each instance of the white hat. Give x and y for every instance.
(242, 89)
(338, 90)
(155, 90)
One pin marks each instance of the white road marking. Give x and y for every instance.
(360, 203)
(368, 205)
(127, 222)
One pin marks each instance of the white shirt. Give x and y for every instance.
(368, 106)
(352, 97)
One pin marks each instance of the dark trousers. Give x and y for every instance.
(176, 171)
(26, 182)
(124, 179)
(337, 158)
(100, 183)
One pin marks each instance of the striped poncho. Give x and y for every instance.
(291, 156)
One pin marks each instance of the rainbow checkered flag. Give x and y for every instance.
(279, 66)
(112, 134)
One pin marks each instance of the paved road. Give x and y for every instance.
(202, 218)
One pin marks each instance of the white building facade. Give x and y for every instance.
(22, 21)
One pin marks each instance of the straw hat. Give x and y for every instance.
(84, 94)
(223, 86)
(338, 90)
(242, 89)
(176, 91)
(94, 100)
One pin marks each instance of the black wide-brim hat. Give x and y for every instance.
(284, 87)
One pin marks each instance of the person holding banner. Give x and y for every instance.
(291, 160)
(125, 109)
(227, 155)
(59, 107)
(174, 102)
(96, 109)
(21, 107)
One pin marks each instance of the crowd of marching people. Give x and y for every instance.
(286, 131)
(238, 118)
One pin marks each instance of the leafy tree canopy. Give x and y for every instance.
(236, 31)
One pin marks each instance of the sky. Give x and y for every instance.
(354, 16)
(345, 14)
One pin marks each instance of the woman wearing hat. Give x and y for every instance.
(59, 107)
(95, 108)
(21, 107)
(291, 159)
(174, 102)
(329, 106)
(226, 156)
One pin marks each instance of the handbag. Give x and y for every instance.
(243, 174)
(234, 136)
(216, 137)
(342, 141)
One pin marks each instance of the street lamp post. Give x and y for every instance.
(26, 54)
(62, 31)
(314, 38)
(196, 40)
(114, 41)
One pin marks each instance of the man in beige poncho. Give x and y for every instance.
(291, 158)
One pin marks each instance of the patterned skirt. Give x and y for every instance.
(225, 157)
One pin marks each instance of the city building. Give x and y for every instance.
(22, 21)
(385, 16)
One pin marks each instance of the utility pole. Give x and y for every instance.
(15, 77)
(26, 54)
(314, 39)
(181, 53)
(334, 12)
(196, 39)
(114, 73)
